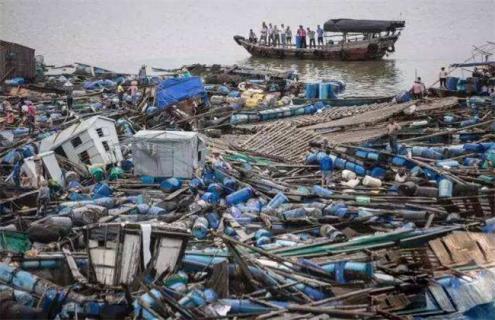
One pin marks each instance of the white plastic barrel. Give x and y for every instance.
(371, 182)
(348, 174)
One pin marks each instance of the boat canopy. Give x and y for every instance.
(473, 64)
(361, 26)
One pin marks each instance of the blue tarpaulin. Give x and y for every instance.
(173, 90)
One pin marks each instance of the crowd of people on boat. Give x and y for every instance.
(484, 76)
(275, 36)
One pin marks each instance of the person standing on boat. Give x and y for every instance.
(263, 33)
(288, 35)
(270, 34)
(418, 89)
(319, 33)
(311, 35)
(301, 33)
(393, 129)
(281, 35)
(252, 36)
(276, 37)
(443, 78)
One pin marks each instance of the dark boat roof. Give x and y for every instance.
(353, 25)
(473, 64)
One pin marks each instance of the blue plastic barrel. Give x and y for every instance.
(448, 163)
(215, 188)
(154, 210)
(345, 271)
(473, 147)
(321, 192)
(126, 165)
(398, 161)
(471, 161)
(452, 83)
(230, 184)
(361, 154)
(200, 228)
(278, 200)
(350, 166)
(310, 109)
(373, 156)
(210, 197)
(445, 188)
(196, 184)
(359, 170)
(311, 158)
(213, 220)
(147, 179)
(239, 196)
(294, 213)
(311, 90)
(170, 184)
(340, 163)
(378, 172)
(102, 190)
(20, 131)
(326, 91)
(262, 233)
(298, 42)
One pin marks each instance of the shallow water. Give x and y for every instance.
(122, 34)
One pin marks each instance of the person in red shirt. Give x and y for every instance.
(31, 116)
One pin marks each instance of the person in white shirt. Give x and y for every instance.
(270, 34)
(443, 77)
(263, 33)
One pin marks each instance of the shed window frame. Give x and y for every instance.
(106, 146)
(84, 157)
(76, 142)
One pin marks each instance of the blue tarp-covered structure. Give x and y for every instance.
(174, 90)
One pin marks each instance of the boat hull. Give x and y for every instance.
(344, 102)
(373, 49)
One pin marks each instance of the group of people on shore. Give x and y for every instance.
(272, 35)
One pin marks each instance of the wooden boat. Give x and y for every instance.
(352, 40)
(345, 102)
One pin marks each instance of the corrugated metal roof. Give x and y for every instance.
(160, 135)
(55, 140)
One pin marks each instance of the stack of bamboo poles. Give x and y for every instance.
(284, 142)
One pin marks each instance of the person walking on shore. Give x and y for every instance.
(319, 33)
(418, 89)
(443, 78)
(393, 129)
(288, 35)
(311, 36)
(69, 87)
(120, 94)
(326, 167)
(133, 90)
(43, 198)
(31, 117)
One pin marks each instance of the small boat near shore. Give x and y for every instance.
(345, 39)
